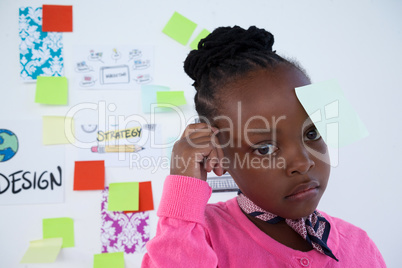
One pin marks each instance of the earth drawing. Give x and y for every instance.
(8, 145)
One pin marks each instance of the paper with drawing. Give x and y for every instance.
(113, 67)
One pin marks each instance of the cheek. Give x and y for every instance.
(319, 152)
(324, 168)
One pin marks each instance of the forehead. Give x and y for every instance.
(263, 94)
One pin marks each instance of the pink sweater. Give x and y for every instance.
(192, 233)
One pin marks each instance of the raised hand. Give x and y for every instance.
(197, 152)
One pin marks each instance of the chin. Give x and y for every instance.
(302, 213)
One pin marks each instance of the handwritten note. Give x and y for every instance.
(59, 227)
(89, 175)
(51, 90)
(107, 260)
(57, 18)
(123, 196)
(204, 33)
(119, 145)
(43, 251)
(113, 66)
(179, 28)
(175, 98)
(57, 130)
(333, 115)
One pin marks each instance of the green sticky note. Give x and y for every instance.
(43, 251)
(59, 227)
(51, 90)
(148, 97)
(333, 115)
(123, 196)
(179, 28)
(57, 130)
(204, 33)
(167, 98)
(108, 260)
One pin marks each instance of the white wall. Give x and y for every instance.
(357, 42)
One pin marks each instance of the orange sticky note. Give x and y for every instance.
(146, 201)
(89, 175)
(57, 18)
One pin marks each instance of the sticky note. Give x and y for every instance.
(333, 115)
(204, 33)
(51, 90)
(59, 227)
(148, 98)
(146, 201)
(176, 98)
(107, 260)
(57, 18)
(123, 196)
(179, 28)
(57, 130)
(89, 175)
(43, 251)
(170, 141)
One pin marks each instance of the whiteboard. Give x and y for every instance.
(356, 42)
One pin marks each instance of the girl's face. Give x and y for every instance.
(273, 151)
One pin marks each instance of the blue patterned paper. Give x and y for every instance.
(40, 52)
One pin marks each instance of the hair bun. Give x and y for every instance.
(238, 39)
(225, 43)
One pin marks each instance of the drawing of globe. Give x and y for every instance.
(8, 145)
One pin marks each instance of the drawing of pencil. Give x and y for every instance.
(117, 149)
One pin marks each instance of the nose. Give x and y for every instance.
(299, 161)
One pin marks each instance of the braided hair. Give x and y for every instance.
(224, 56)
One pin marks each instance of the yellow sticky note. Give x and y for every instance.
(171, 98)
(123, 196)
(179, 28)
(59, 227)
(204, 33)
(107, 260)
(57, 130)
(332, 114)
(43, 251)
(51, 90)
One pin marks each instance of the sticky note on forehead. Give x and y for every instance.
(333, 115)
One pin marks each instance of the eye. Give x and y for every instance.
(313, 134)
(265, 149)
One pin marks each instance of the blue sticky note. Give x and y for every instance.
(149, 100)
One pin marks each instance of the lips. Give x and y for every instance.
(305, 187)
